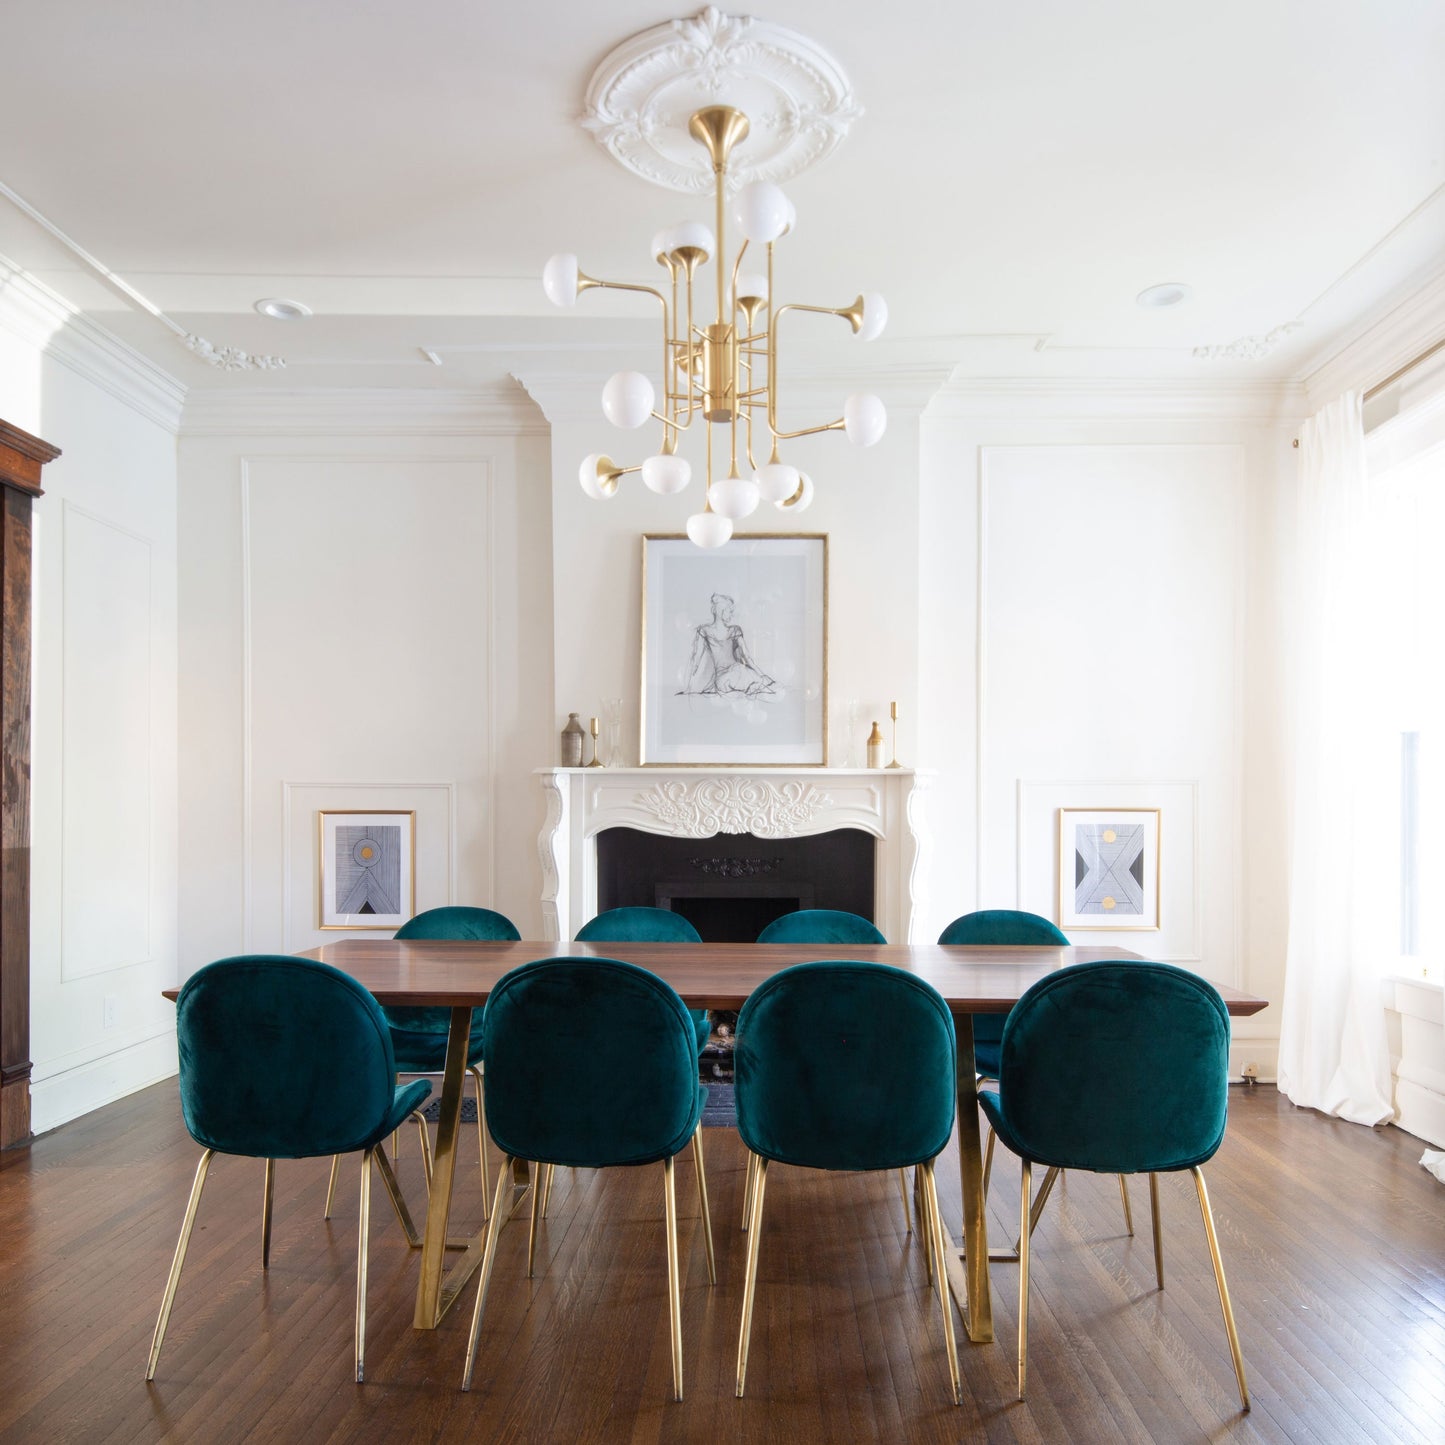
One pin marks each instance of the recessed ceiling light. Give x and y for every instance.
(1166, 293)
(279, 309)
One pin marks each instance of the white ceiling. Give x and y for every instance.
(1019, 174)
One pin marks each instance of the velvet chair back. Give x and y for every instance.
(284, 1058)
(631, 1032)
(419, 1035)
(845, 1066)
(820, 925)
(1118, 1067)
(1003, 928)
(638, 925)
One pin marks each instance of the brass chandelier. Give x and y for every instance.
(725, 370)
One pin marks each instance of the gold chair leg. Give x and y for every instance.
(476, 1072)
(903, 1195)
(758, 1168)
(420, 1120)
(489, 1251)
(1025, 1232)
(702, 1197)
(748, 1191)
(933, 1227)
(1128, 1213)
(398, 1199)
(269, 1190)
(988, 1161)
(178, 1262)
(538, 1189)
(548, 1176)
(674, 1289)
(1158, 1232)
(361, 1264)
(1036, 1212)
(331, 1187)
(1224, 1304)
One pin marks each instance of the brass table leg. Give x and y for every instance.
(436, 1290)
(968, 1268)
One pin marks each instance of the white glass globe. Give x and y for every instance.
(693, 233)
(559, 279)
(662, 245)
(592, 484)
(752, 285)
(875, 316)
(762, 212)
(865, 418)
(776, 481)
(627, 399)
(734, 497)
(802, 497)
(666, 474)
(707, 529)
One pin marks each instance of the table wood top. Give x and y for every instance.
(971, 979)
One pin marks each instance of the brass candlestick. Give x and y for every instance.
(893, 713)
(594, 727)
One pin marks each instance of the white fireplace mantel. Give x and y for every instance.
(702, 802)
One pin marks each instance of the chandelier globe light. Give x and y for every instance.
(724, 371)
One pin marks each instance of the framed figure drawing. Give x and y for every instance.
(1108, 868)
(735, 651)
(368, 868)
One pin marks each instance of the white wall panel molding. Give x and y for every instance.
(1123, 701)
(503, 410)
(1382, 346)
(46, 320)
(107, 855)
(61, 1094)
(1078, 399)
(436, 868)
(270, 862)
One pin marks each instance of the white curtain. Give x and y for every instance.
(1343, 921)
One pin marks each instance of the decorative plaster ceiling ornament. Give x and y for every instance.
(796, 96)
(1247, 348)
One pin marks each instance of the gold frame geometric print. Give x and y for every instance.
(1108, 868)
(368, 867)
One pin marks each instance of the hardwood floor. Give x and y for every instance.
(1333, 1239)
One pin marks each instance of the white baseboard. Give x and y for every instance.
(1262, 1053)
(1421, 1112)
(77, 1091)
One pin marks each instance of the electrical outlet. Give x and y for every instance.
(109, 1010)
(1250, 1074)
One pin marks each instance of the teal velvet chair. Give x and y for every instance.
(640, 1042)
(419, 1035)
(284, 1058)
(1120, 1068)
(820, 925)
(1010, 928)
(891, 1108)
(825, 926)
(647, 925)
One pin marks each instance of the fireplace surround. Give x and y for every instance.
(757, 815)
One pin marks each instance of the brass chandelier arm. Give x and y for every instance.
(775, 318)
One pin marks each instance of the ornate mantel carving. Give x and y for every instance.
(702, 803)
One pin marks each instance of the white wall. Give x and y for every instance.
(366, 623)
(1100, 629)
(103, 791)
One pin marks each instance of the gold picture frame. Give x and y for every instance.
(734, 651)
(1109, 869)
(365, 857)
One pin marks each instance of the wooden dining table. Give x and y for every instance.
(459, 975)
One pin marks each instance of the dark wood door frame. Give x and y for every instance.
(21, 458)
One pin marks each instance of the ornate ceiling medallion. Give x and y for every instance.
(796, 96)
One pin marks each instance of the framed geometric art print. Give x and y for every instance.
(368, 867)
(1108, 868)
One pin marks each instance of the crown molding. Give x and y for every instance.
(502, 410)
(1106, 398)
(45, 320)
(1381, 345)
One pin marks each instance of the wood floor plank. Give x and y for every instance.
(1330, 1233)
